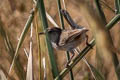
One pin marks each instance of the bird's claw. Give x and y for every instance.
(67, 64)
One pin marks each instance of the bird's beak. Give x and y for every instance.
(41, 33)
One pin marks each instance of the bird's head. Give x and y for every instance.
(53, 30)
(54, 34)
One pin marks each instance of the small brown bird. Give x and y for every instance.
(67, 40)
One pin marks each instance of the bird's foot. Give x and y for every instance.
(67, 64)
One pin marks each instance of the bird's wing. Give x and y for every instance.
(69, 36)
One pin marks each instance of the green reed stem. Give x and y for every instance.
(41, 9)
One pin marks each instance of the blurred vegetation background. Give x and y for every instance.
(13, 16)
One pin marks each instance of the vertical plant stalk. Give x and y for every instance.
(39, 49)
(117, 6)
(86, 49)
(62, 24)
(60, 15)
(116, 62)
(99, 10)
(71, 72)
(38, 39)
(41, 9)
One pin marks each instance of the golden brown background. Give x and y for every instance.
(14, 14)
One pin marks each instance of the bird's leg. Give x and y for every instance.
(87, 42)
(72, 52)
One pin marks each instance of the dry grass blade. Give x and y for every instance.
(29, 75)
(30, 60)
(45, 70)
(64, 4)
(2, 75)
(6, 73)
(22, 37)
(95, 73)
(26, 53)
(51, 20)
